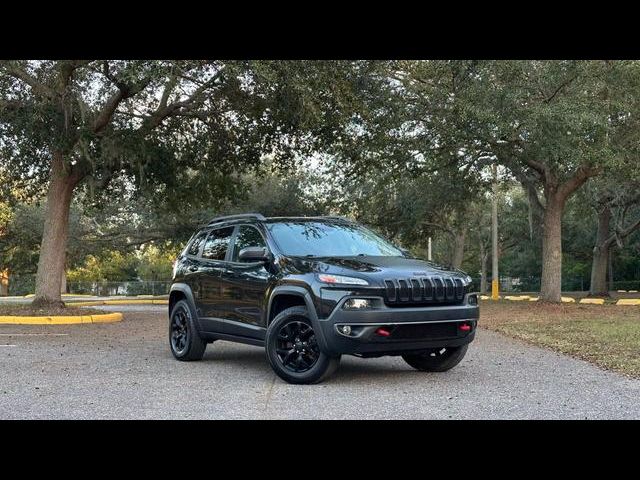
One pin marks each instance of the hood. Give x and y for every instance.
(376, 267)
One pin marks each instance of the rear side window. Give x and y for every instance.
(247, 237)
(194, 248)
(215, 248)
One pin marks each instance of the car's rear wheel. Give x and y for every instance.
(293, 350)
(184, 340)
(436, 359)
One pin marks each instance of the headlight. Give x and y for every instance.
(468, 280)
(357, 304)
(340, 279)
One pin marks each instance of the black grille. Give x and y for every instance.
(424, 330)
(427, 290)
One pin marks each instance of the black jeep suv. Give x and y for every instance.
(311, 289)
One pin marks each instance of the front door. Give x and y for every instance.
(244, 287)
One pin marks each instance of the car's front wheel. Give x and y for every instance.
(438, 359)
(293, 350)
(184, 340)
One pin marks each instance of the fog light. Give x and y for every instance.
(346, 329)
(473, 299)
(383, 332)
(357, 304)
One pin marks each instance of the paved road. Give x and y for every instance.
(125, 370)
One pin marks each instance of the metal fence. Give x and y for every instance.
(107, 289)
(569, 284)
(25, 284)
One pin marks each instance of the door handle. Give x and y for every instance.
(193, 268)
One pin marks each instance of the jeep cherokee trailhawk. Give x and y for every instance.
(310, 289)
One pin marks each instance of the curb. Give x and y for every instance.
(61, 319)
(628, 301)
(593, 301)
(117, 302)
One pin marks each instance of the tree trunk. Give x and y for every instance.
(484, 261)
(4, 282)
(458, 248)
(63, 282)
(601, 256)
(551, 281)
(610, 269)
(54, 236)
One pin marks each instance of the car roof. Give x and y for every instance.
(306, 219)
(250, 218)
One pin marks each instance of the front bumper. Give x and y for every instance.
(394, 331)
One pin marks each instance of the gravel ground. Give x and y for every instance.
(125, 370)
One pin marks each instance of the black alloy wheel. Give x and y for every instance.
(179, 331)
(184, 338)
(294, 348)
(297, 348)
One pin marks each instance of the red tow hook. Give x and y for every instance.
(465, 327)
(383, 332)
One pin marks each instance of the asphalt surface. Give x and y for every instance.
(125, 371)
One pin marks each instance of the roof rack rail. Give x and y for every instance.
(257, 216)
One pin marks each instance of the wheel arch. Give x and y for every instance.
(180, 291)
(302, 297)
(286, 296)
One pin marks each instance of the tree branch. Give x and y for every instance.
(539, 167)
(124, 91)
(583, 173)
(39, 88)
(621, 234)
(165, 110)
(561, 87)
(67, 68)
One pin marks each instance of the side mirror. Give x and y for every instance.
(253, 254)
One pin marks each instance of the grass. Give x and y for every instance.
(607, 335)
(20, 309)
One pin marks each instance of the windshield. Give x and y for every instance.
(320, 239)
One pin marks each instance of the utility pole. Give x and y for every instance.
(495, 278)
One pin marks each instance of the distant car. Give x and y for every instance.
(310, 289)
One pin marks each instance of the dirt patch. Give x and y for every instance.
(31, 311)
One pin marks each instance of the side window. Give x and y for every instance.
(247, 237)
(215, 248)
(194, 248)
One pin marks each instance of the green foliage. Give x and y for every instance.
(155, 262)
(403, 146)
(180, 132)
(108, 266)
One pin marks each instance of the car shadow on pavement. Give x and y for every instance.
(360, 371)
(351, 371)
(250, 356)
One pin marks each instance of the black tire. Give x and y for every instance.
(184, 339)
(437, 360)
(292, 349)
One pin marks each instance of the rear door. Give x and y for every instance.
(192, 273)
(212, 264)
